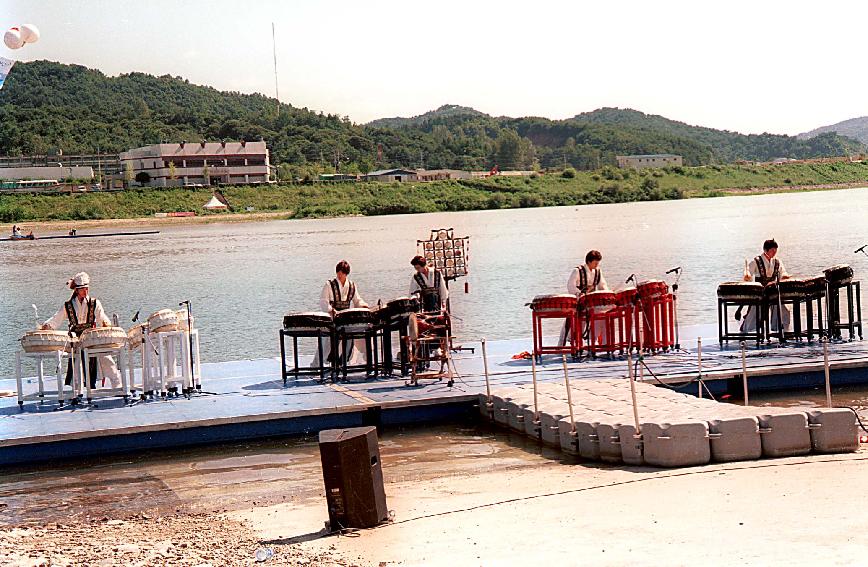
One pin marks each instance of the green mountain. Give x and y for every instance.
(856, 128)
(445, 111)
(46, 105)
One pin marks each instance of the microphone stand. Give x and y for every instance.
(190, 347)
(677, 345)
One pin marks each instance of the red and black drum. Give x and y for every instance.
(626, 297)
(554, 303)
(597, 301)
(652, 289)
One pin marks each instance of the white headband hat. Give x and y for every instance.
(80, 279)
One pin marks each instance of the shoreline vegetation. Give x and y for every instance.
(318, 200)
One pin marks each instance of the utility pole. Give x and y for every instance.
(274, 51)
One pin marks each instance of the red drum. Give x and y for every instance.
(558, 302)
(626, 297)
(598, 301)
(652, 289)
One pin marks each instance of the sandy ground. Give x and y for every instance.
(45, 227)
(458, 498)
(796, 511)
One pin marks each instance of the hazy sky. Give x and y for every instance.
(755, 66)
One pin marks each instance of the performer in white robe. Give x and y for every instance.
(584, 279)
(766, 269)
(83, 312)
(340, 294)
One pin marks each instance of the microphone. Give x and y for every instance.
(187, 302)
(631, 278)
(136, 316)
(860, 249)
(674, 270)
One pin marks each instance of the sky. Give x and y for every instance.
(749, 66)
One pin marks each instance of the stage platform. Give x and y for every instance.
(247, 399)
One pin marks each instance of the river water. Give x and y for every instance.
(241, 278)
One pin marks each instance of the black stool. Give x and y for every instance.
(741, 295)
(350, 325)
(853, 323)
(305, 325)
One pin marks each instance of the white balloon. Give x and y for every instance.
(29, 33)
(12, 38)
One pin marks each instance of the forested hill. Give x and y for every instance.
(856, 128)
(46, 105)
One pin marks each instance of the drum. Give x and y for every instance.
(359, 319)
(428, 325)
(403, 306)
(163, 321)
(815, 286)
(598, 301)
(626, 297)
(136, 335)
(183, 324)
(740, 291)
(104, 337)
(652, 289)
(841, 274)
(307, 320)
(47, 341)
(790, 290)
(557, 302)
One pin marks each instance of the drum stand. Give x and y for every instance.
(122, 354)
(421, 345)
(41, 393)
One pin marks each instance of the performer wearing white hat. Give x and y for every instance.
(83, 312)
(340, 294)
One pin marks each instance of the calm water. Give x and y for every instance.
(241, 278)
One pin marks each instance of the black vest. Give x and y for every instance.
(337, 303)
(583, 279)
(763, 277)
(430, 295)
(75, 327)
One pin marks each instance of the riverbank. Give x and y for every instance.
(607, 185)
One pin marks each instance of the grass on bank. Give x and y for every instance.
(608, 185)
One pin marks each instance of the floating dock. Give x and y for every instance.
(247, 399)
(595, 420)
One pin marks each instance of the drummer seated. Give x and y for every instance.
(83, 312)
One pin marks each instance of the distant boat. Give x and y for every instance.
(59, 236)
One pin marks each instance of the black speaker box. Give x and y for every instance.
(353, 477)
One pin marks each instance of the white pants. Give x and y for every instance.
(748, 321)
(357, 358)
(109, 370)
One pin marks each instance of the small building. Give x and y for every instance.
(201, 163)
(392, 175)
(441, 174)
(649, 160)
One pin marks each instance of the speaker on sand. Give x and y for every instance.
(353, 477)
